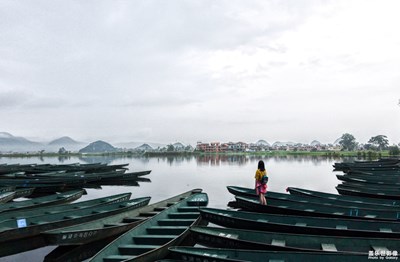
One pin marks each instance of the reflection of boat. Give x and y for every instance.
(299, 208)
(247, 239)
(384, 203)
(301, 224)
(45, 210)
(27, 227)
(249, 192)
(149, 241)
(109, 226)
(21, 245)
(53, 199)
(217, 255)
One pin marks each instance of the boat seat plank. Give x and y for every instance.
(370, 216)
(338, 213)
(134, 249)
(71, 217)
(278, 242)
(175, 222)
(115, 224)
(341, 227)
(385, 230)
(133, 219)
(328, 247)
(152, 239)
(301, 224)
(309, 210)
(149, 214)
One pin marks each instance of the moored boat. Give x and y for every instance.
(110, 226)
(301, 224)
(31, 226)
(150, 240)
(45, 210)
(200, 254)
(251, 239)
(276, 206)
(249, 192)
(54, 199)
(322, 195)
(368, 192)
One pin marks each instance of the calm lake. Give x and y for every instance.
(174, 175)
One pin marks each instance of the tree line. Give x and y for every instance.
(375, 143)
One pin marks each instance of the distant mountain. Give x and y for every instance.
(337, 141)
(134, 145)
(98, 147)
(315, 143)
(262, 143)
(144, 147)
(8, 139)
(65, 140)
(178, 145)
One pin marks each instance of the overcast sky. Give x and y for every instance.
(188, 71)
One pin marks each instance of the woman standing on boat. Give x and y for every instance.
(261, 182)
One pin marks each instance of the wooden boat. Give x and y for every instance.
(276, 206)
(39, 211)
(301, 224)
(149, 241)
(367, 192)
(368, 183)
(249, 192)
(200, 254)
(370, 178)
(28, 227)
(250, 239)
(109, 226)
(322, 195)
(7, 196)
(54, 199)
(380, 188)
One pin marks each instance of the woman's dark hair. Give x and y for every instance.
(261, 165)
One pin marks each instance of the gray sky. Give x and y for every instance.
(167, 71)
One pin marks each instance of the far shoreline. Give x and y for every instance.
(357, 154)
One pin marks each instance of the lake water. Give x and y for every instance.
(174, 175)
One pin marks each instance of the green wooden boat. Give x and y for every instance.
(28, 227)
(250, 239)
(110, 226)
(301, 224)
(368, 181)
(7, 196)
(367, 192)
(358, 199)
(39, 211)
(371, 178)
(393, 188)
(276, 206)
(249, 192)
(218, 254)
(54, 199)
(150, 240)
